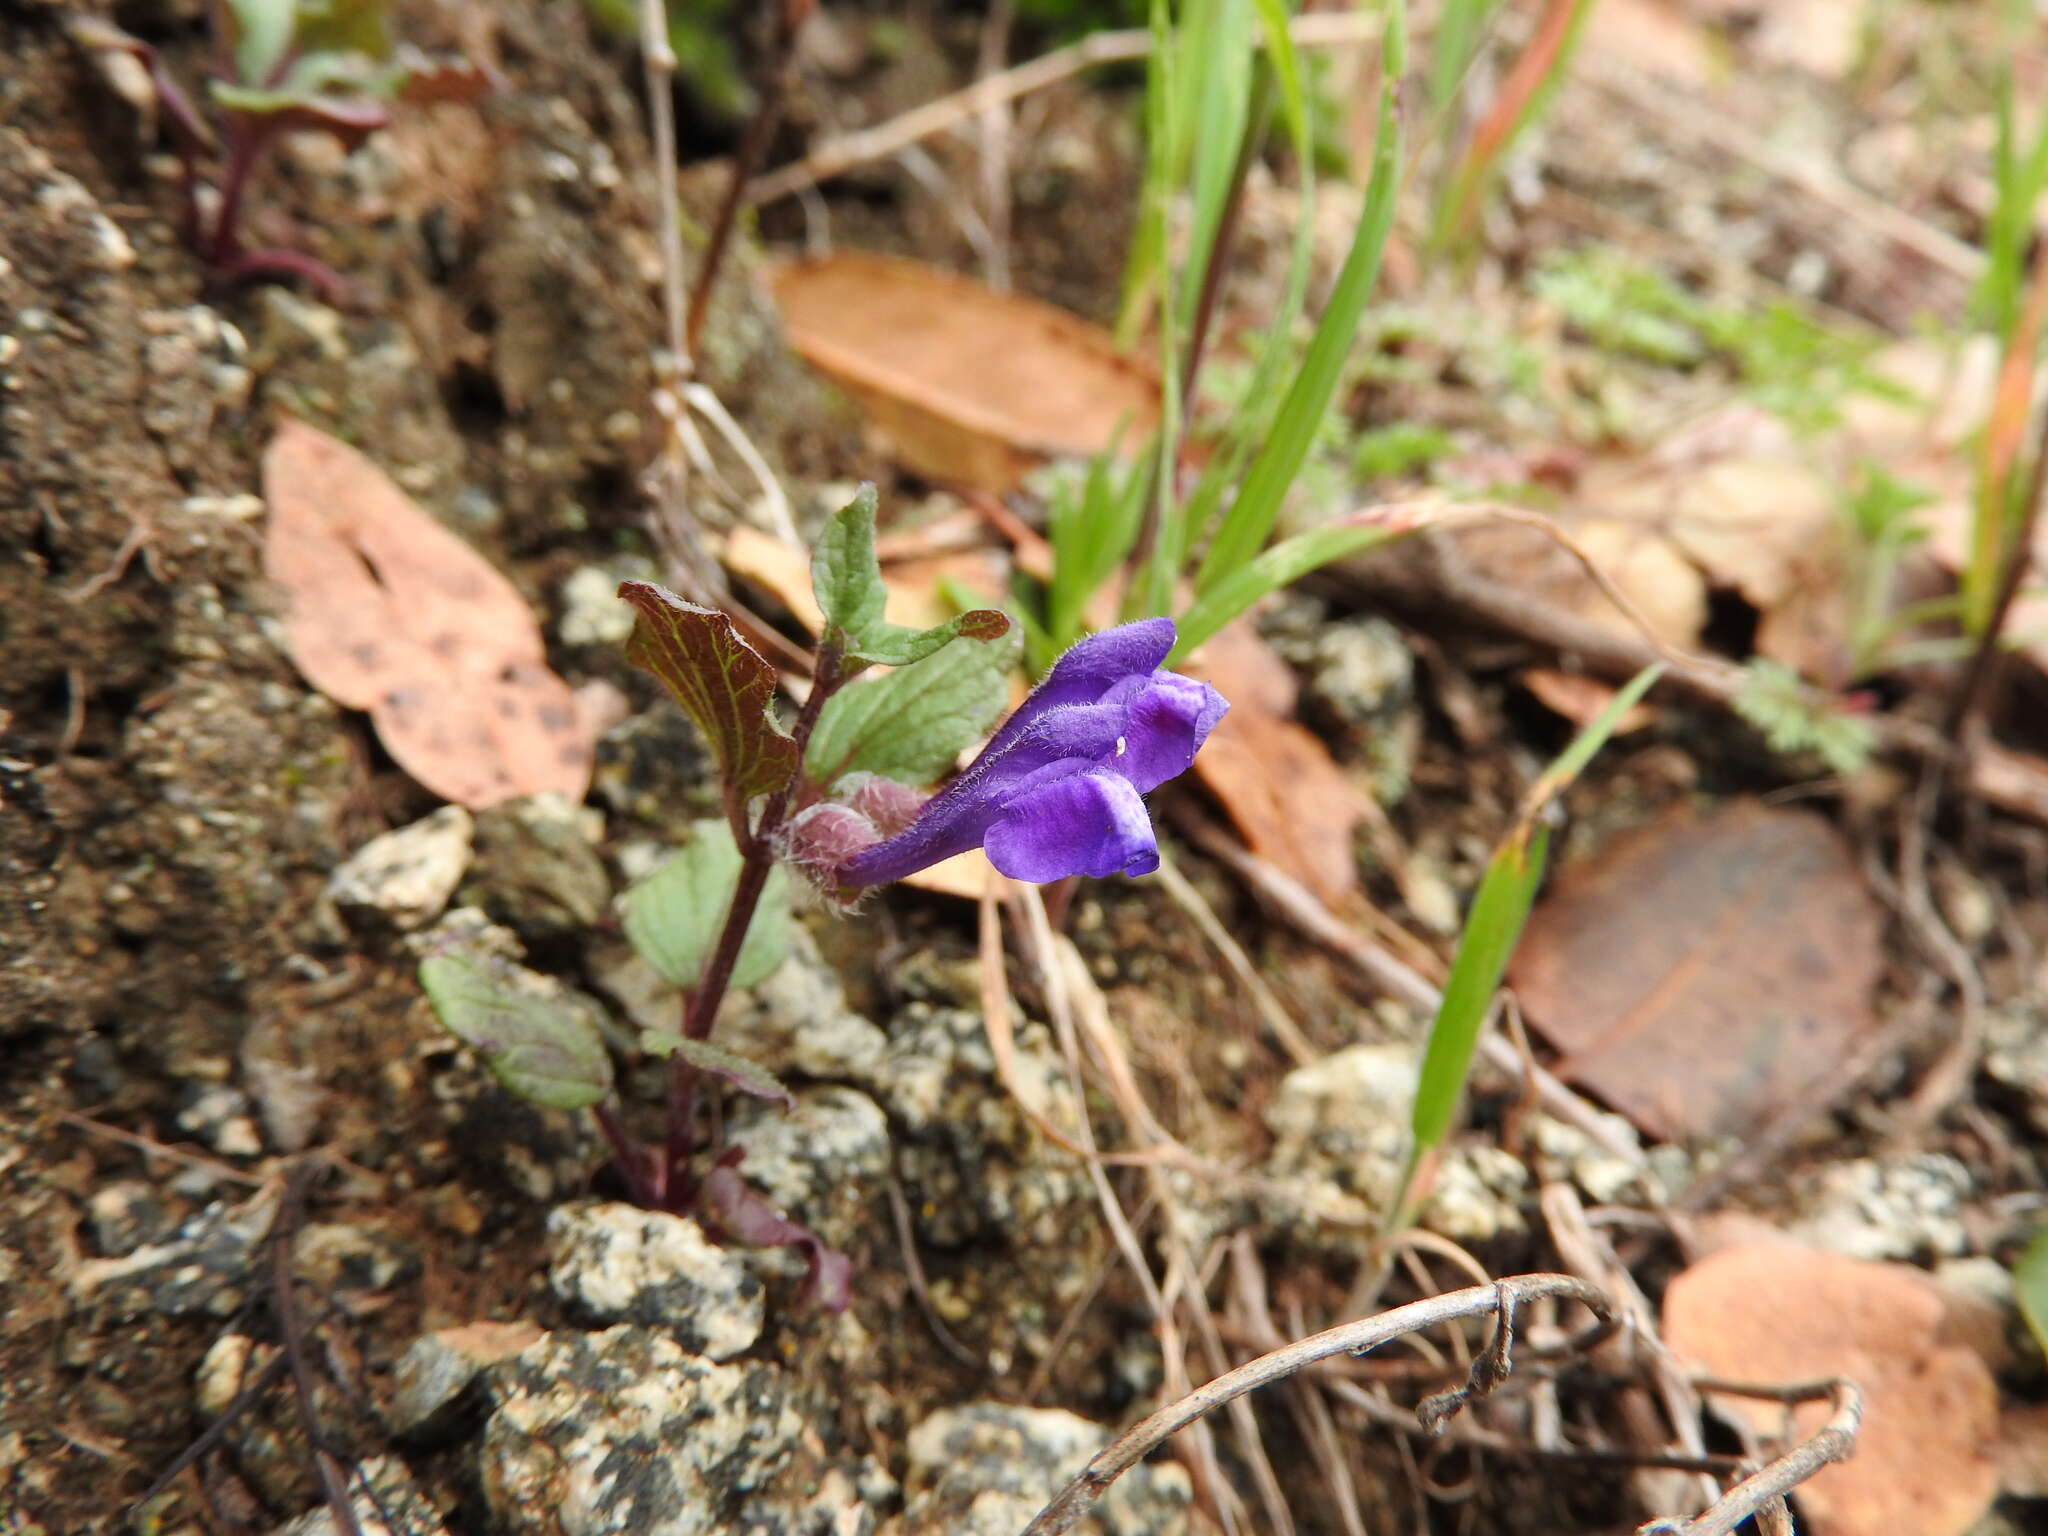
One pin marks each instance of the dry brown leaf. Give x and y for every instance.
(1733, 502)
(392, 613)
(973, 386)
(1579, 699)
(1702, 973)
(1924, 1463)
(1285, 794)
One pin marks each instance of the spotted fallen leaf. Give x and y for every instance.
(973, 386)
(1704, 972)
(389, 612)
(1925, 1462)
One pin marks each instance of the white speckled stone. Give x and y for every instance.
(614, 1263)
(405, 878)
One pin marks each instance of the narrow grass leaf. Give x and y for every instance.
(1491, 931)
(2030, 1285)
(1250, 519)
(1572, 761)
(1287, 561)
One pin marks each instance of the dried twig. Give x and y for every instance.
(1298, 905)
(785, 19)
(843, 152)
(1271, 1010)
(1499, 1299)
(1835, 1441)
(284, 1302)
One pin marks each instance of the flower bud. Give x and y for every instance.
(889, 805)
(818, 840)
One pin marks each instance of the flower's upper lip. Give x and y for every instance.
(1105, 707)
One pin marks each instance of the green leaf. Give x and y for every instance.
(674, 916)
(1289, 560)
(844, 572)
(897, 645)
(720, 681)
(2030, 1285)
(260, 32)
(1294, 430)
(847, 580)
(345, 26)
(543, 1043)
(1572, 761)
(912, 723)
(1491, 931)
(747, 1076)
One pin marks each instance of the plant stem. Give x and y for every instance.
(626, 1153)
(701, 1002)
(789, 15)
(1975, 688)
(246, 139)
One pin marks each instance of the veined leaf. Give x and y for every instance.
(674, 916)
(911, 724)
(542, 1044)
(847, 581)
(747, 1076)
(720, 681)
(845, 575)
(261, 31)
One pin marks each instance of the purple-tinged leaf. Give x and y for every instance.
(720, 681)
(745, 1216)
(748, 1076)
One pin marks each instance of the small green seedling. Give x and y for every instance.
(278, 67)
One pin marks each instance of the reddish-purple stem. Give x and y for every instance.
(701, 1003)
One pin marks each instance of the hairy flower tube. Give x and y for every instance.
(1057, 791)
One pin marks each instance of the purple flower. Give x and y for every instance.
(1056, 792)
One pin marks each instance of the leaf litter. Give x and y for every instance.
(390, 612)
(1771, 1311)
(1705, 971)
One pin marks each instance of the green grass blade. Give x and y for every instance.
(1492, 930)
(1221, 103)
(1250, 519)
(1287, 561)
(1572, 761)
(2030, 1285)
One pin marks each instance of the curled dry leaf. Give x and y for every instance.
(1702, 973)
(392, 613)
(1924, 1462)
(973, 386)
(1734, 503)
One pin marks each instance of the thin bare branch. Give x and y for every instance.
(1355, 1338)
(843, 152)
(1835, 1441)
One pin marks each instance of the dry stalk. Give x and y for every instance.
(1765, 1489)
(1499, 1300)
(1299, 906)
(843, 152)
